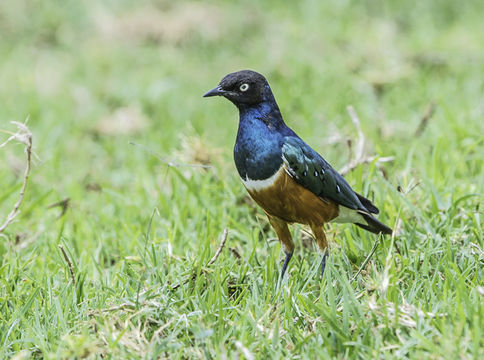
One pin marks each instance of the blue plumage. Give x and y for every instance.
(261, 133)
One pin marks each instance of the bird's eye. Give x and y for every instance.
(244, 87)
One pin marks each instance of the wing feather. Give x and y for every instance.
(310, 170)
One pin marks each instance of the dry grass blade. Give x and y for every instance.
(429, 112)
(23, 136)
(212, 260)
(405, 314)
(359, 156)
(63, 204)
(221, 246)
(370, 255)
(69, 264)
(246, 352)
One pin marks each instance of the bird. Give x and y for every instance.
(289, 180)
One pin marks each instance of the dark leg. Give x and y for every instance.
(282, 231)
(286, 262)
(322, 244)
(323, 263)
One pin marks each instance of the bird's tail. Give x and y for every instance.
(374, 225)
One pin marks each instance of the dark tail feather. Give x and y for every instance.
(374, 225)
(368, 204)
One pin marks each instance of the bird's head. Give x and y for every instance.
(243, 88)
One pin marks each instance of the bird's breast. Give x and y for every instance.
(279, 195)
(257, 155)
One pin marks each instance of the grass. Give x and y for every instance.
(94, 77)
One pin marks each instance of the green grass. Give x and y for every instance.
(135, 227)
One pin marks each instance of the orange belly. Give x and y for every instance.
(291, 202)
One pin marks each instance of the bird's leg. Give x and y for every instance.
(323, 263)
(282, 231)
(286, 261)
(322, 244)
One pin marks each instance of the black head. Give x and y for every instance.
(244, 87)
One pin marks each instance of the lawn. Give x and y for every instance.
(118, 251)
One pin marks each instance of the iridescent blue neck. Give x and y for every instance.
(261, 132)
(266, 111)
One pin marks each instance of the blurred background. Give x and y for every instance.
(93, 76)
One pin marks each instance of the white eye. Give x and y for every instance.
(244, 87)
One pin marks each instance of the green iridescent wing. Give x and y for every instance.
(310, 170)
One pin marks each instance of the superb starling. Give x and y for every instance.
(290, 181)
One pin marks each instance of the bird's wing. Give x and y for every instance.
(310, 170)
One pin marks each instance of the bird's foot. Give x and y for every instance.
(323, 263)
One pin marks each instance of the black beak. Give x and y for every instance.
(217, 91)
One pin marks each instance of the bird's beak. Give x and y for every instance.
(217, 91)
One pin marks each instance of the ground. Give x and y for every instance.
(107, 85)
